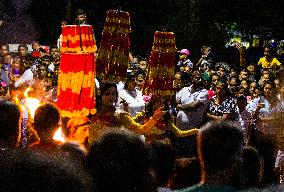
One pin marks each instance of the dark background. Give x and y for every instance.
(195, 22)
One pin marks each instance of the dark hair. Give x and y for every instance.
(46, 119)
(23, 45)
(118, 162)
(129, 77)
(27, 170)
(187, 173)
(42, 50)
(53, 47)
(251, 167)
(80, 12)
(101, 91)
(241, 98)
(9, 121)
(220, 144)
(162, 160)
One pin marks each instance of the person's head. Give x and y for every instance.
(22, 50)
(118, 162)
(81, 16)
(140, 79)
(53, 52)
(242, 103)
(130, 82)
(42, 52)
(243, 74)
(268, 89)
(252, 87)
(42, 71)
(35, 45)
(221, 71)
(251, 69)
(268, 52)
(9, 125)
(77, 129)
(7, 58)
(183, 54)
(219, 147)
(233, 85)
(251, 167)
(277, 83)
(108, 94)
(256, 92)
(17, 66)
(142, 64)
(245, 84)
(46, 121)
(196, 79)
(4, 49)
(45, 60)
(63, 22)
(221, 89)
(205, 50)
(187, 173)
(215, 78)
(162, 160)
(29, 170)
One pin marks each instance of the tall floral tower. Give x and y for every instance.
(113, 54)
(161, 69)
(77, 71)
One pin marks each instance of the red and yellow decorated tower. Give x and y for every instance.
(113, 55)
(76, 87)
(161, 69)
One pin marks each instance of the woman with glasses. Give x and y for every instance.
(108, 118)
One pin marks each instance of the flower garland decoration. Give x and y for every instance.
(77, 72)
(113, 55)
(161, 70)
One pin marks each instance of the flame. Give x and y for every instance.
(30, 103)
(58, 135)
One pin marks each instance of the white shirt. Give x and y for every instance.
(27, 77)
(191, 118)
(134, 100)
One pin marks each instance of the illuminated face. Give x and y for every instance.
(35, 46)
(215, 79)
(7, 59)
(182, 56)
(206, 51)
(42, 71)
(143, 65)
(109, 98)
(81, 18)
(81, 134)
(177, 82)
(221, 72)
(267, 52)
(244, 84)
(54, 53)
(140, 81)
(252, 88)
(4, 49)
(267, 90)
(256, 93)
(22, 51)
(265, 77)
(243, 75)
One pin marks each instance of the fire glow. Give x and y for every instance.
(58, 135)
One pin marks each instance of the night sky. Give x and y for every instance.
(195, 22)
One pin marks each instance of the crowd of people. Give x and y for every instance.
(221, 131)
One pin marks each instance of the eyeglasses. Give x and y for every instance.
(112, 93)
